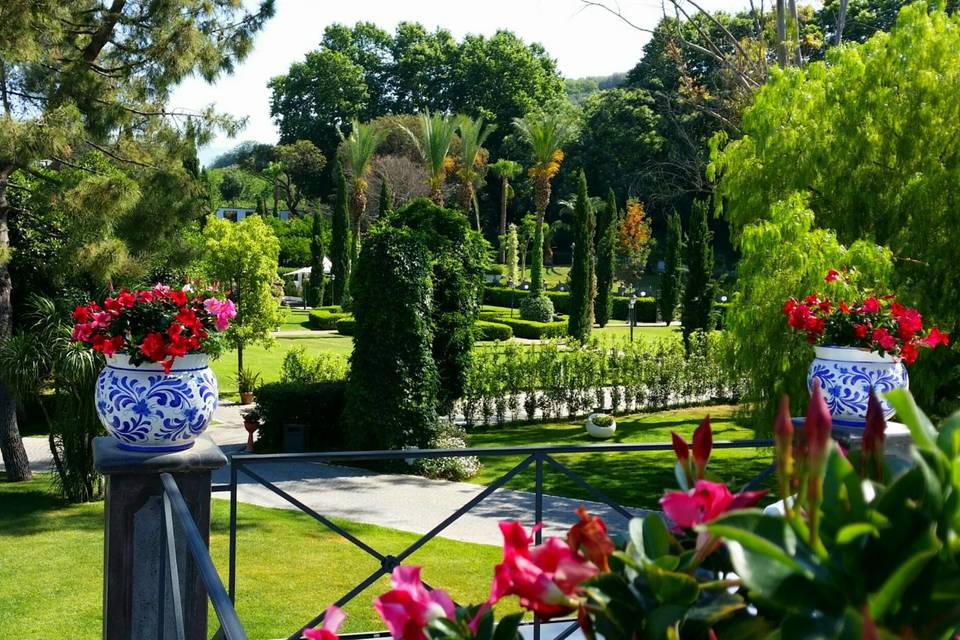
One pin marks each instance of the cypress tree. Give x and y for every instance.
(340, 239)
(670, 279)
(580, 321)
(536, 262)
(606, 252)
(313, 294)
(698, 289)
(261, 206)
(385, 203)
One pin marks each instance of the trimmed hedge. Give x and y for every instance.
(492, 331)
(317, 406)
(646, 309)
(501, 296)
(325, 320)
(533, 330)
(345, 326)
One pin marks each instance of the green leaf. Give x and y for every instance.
(882, 600)
(507, 627)
(921, 429)
(723, 606)
(670, 587)
(650, 537)
(485, 628)
(661, 620)
(851, 532)
(745, 527)
(681, 477)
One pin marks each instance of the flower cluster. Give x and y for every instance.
(877, 323)
(153, 325)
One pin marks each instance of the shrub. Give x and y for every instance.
(290, 288)
(305, 369)
(325, 320)
(392, 389)
(560, 300)
(346, 326)
(602, 420)
(450, 436)
(488, 331)
(317, 406)
(503, 296)
(645, 309)
(536, 309)
(533, 330)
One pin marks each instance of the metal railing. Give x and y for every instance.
(539, 457)
(175, 507)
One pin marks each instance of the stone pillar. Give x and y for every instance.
(896, 445)
(137, 595)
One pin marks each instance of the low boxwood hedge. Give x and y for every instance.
(345, 326)
(317, 406)
(532, 330)
(325, 320)
(646, 309)
(492, 331)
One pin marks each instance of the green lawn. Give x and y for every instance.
(620, 330)
(296, 320)
(633, 479)
(289, 567)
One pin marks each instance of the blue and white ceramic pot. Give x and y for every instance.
(148, 410)
(847, 374)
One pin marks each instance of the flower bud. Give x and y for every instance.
(702, 445)
(817, 426)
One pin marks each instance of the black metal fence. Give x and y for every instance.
(538, 457)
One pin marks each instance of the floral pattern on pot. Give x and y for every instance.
(146, 409)
(848, 374)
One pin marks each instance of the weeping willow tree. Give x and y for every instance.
(46, 369)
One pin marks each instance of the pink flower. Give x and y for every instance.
(408, 608)
(705, 502)
(936, 337)
(832, 275)
(817, 426)
(332, 619)
(223, 310)
(545, 578)
(871, 305)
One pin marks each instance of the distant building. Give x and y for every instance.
(236, 214)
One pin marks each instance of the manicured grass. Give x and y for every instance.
(633, 479)
(296, 320)
(268, 360)
(289, 567)
(620, 330)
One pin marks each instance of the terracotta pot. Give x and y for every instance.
(246, 397)
(251, 426)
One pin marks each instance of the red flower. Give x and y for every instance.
(680, 448)
(545, 578)
(832, 275)
(126, 299)
(178, 298)
(590, 535)
(843, 306)
(874, 433)
(333, 617)
(408, 608)
(882, 338)
(154, 347)
(702, 445)
(860, 330)
(82, 314)
(107, 346)
(909, 322)
(909, 353)
(871, 305)
(936, 337)
(705, 502)
(789, 306)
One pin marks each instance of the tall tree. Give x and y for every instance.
(671, 280)
(433, 144)
(357, 150)
(545, 133)
(698, 287)
(473, 158)
(301, 165)
(231, 186)
(340, 239)
(606, 239)
(580, 321)
(506, 170)
(313, 295)
(78, 76)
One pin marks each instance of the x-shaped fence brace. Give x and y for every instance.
(536, 456)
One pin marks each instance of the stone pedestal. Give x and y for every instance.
(137, 594)
(896, 445)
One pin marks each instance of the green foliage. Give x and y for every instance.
(533, 329)
(314, 285)
(867, 139)
(536, 308)
(781, 257)
(392, 406)
(433, 144)
(385, 200)
(450, 436)
(671, 280)
(243, 257)
(536, 259)
(492, 330)
(231, 187)
(302, 368)
(511, 255)
(645, 309)
(325, 320)
(247, 380)
(346, 326)
(472, 163)
(316, 405)
(606, 250)
(340, 239)
(699, 286)
(301, 164)
(582, 289)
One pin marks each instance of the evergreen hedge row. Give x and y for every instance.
(325, 320)
(646, 308)
(533, 330)
(492, 331)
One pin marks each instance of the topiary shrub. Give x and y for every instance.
(392, 386)
(492, 331)
(537, 309)
(346, 326)
(325, 320)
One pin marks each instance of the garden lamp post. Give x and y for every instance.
(632, 304)
(510, 284)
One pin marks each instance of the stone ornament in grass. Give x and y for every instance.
(601, 425)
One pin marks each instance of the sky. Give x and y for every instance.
(585, 41)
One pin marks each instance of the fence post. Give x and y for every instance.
(137, 600)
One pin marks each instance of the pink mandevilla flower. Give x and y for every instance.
(408, 608)
(332, 619)
(705, 502)
(544, 578)
(224, 310)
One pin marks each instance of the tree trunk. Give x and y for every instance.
(795, 34)
(841, 22)
(781, 33)
(11, 444)
(504, 185)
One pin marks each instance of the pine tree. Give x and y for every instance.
(606, 251)
(313, 292)
(670, 279)
(385, 202)
(580, 321)
(698, 288)
(340, 238)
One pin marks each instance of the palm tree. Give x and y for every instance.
(546, 133)
(357, 151)
(434, 145)
(506, 170)
(473, 158)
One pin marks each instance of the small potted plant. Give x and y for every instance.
(601, 425)
(247, 380)
(863, 342)
(251, 422)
